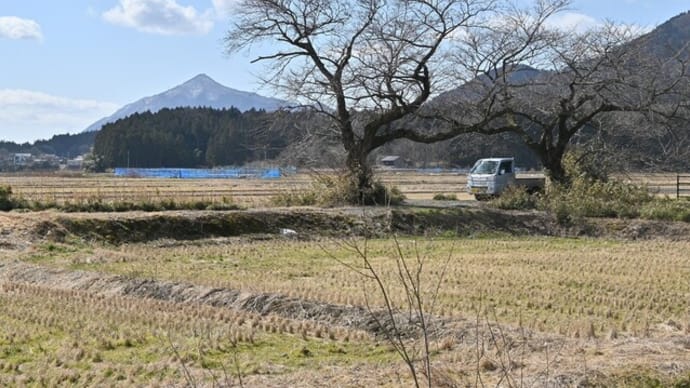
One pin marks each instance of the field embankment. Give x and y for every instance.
(312, 222)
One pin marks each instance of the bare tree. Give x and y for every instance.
(590, 78)
(430, 70)
(633, 142)
(371, 65)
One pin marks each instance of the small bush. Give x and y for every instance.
(590, 198)
(6, 202)
(445, 197)
(168, 204)
(341, 190)
(376, 195)
(225, 205)
(122, 206)
(516, 198)
(328, 190)
(295, 198)
(589, 193)
(667, 210)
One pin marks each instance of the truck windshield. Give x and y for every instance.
(485, 167)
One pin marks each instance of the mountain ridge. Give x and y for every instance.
(199, 91)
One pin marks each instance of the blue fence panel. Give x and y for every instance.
(196, 173)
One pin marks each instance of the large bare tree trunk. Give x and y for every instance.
(553, 164)
(361, 175)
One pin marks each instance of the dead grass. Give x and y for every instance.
(574, 287)
(54, 337)
(244, 192)
(534, 311)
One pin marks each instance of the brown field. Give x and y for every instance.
(269, 310)
(250, 192)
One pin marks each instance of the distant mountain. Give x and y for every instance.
(666, 40)
(475, 89)
(200, 91)
(669, 38)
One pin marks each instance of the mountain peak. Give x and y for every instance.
(202, 78)
(199, 91)
(201, 86)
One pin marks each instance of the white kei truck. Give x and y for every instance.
(490, 177)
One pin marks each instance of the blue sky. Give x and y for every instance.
(66, 64)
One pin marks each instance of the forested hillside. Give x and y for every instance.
(193, 137)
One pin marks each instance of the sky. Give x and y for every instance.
(66, 64)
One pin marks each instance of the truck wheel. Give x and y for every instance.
(482, 197)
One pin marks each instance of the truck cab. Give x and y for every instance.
(489, 177)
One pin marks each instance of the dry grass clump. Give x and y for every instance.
(339, 189)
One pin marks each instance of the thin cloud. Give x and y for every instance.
(579, 22)
(12, 27)
(164, 17)
(573, 21)
(224, 8)
(29, 115)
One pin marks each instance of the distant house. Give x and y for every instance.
(22, 159)
(76, 163)
(392, 161)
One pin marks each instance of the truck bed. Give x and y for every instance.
(530, 181)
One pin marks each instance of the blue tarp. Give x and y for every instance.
(197, 173)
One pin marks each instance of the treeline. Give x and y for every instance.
(194, 137)
(65, 146)
(205, 137)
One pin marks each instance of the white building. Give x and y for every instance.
(22, 159)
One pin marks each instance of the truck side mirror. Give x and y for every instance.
(502, 172)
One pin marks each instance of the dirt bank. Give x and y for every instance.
(20, 229)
